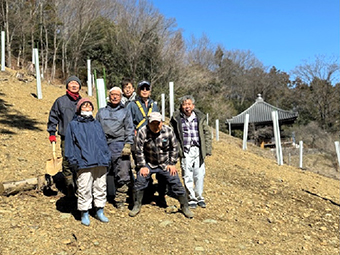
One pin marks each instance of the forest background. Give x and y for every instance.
(128, 38)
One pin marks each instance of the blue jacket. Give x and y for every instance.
(85, 144)
(136, 114)
(116, 123)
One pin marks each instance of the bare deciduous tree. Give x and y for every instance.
(321, 67)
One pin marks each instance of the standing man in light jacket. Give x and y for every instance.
(192, 132)
(61, 114)
(116, 122)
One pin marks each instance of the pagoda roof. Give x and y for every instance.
(260, 113)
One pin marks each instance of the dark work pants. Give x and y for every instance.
(162, 185)
(174, 183)
(67, 171)
(120, 165)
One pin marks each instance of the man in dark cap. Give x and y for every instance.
(61, 113)
(143, 105)
(140, 108)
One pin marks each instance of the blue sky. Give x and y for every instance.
(281, 33)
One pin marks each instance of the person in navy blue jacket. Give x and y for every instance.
(88, 154)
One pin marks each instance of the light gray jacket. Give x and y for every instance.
(116, 123)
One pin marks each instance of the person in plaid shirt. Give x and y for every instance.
(192, 132)
(157, 152)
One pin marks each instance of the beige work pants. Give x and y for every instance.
(91, 183)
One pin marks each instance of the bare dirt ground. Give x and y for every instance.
(254, 206)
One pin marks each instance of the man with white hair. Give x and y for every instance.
(194, 137)
(117, 124)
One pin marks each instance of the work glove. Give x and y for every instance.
(126, 150)
(53, 139)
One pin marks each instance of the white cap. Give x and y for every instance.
(155, 116)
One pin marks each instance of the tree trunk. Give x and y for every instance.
(55, 47)
(63, 59)
(23, 51)
(46, 49)
(41, 50)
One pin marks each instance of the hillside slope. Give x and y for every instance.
(254, 206)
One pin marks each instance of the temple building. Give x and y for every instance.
(260, 118)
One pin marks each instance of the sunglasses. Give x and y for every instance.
(145, 88)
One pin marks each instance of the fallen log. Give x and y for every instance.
(14, 187)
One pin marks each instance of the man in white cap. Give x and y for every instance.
(117, 124)
(157, 152)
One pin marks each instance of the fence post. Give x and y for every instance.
(101, 93)
(301, 153)
(37, 70)
(245, 131)
(277, 138)
(337, 149)
(217, 130)
(89, 80)
(2, 50)
(171, 97)
(163, 107)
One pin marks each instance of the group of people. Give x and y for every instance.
(94, 148)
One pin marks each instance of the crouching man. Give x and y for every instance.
(157, 152)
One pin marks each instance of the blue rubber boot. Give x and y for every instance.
(100, 215)
(85, 219)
